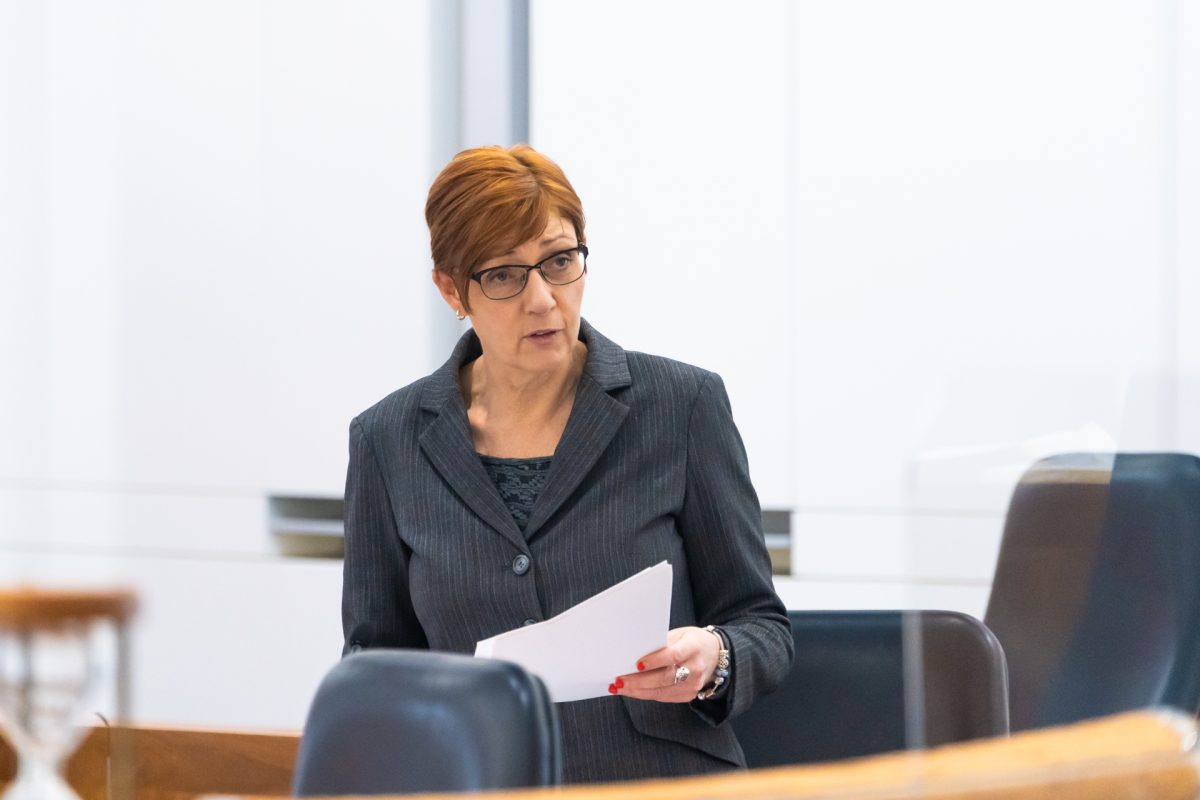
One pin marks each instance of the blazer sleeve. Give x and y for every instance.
(728, 564)
(376, 605)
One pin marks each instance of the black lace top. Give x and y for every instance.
(520, 481)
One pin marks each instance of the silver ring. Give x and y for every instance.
(681, 674)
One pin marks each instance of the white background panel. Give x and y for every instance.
(214, 255)
(23, 281)
(888, 546)
(675, 133)
(80, 235)
(101, 520)
(217, 642)
(978, 230)
(810, 594)
(1186, 226)
(347, 153)
(231, 260)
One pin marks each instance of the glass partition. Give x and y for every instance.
(938, 251)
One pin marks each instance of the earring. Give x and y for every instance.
(458, 313)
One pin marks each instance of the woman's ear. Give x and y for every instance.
(449, 292)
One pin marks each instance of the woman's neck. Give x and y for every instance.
(500, 393)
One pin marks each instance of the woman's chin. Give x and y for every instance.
(544, 360)
(545, 355)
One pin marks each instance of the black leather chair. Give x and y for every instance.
(401, 721)
(866, 682)
(1096, 596)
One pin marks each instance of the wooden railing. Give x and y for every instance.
(1136, 756)
(164, 763)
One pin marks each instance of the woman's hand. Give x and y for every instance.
(694, 648)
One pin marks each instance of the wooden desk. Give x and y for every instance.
(166, 763)
(1142, 756)
(1138, 756)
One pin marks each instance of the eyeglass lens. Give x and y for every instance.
(504, 282)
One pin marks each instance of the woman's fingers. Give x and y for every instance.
(667, 656)
(661, 678)
(655, 678)
(658, 684)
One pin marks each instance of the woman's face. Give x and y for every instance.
(536, 330)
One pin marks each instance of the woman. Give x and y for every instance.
(542, 464)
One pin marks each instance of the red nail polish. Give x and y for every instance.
(612, 688)
(620, 684)
(641, 666)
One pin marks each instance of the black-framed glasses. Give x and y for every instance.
(509, 280)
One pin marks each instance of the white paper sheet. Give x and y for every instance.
(582, 650)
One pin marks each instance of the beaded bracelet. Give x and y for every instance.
(722, 673)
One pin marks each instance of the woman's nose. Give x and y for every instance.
(539, 293)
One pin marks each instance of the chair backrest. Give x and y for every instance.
(866, 682)
(401, 721)
(1096, 597)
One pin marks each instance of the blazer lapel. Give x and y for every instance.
(595, 418)
(448, 445)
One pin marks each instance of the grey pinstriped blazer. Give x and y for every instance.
(649, 467)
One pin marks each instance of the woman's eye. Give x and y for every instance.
(500, 276)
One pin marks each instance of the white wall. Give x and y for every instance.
(225, 238)
(213, 256)
(946, 239)
(675, 132)
(1185, 223)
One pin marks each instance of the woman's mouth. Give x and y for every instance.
(542, 336)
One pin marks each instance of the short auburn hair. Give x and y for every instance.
(487, 201)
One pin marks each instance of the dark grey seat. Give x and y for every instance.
(846, 693)
(1096, 597)
(401, 721)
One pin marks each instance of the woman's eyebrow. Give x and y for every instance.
(543, 243)
(557, 243)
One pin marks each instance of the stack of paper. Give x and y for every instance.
(582, 650)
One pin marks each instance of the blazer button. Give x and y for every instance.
(521, 564)
(530, 622)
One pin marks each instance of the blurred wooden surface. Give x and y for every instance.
(1142, 755)
(31, 608)
(175, 763)
(8, 762)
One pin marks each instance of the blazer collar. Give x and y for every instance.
(595, 418)
(606, 364)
